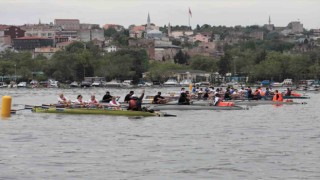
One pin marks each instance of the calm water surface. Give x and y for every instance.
(264, 142)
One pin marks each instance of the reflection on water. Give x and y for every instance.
(264, 142)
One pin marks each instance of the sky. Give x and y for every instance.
(128, 12)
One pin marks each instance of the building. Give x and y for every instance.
(14, 32)
(200, 37)
(47, 52)
(296, 27)
(39, 30)
(257, 35)
(63, 45)
(91, 34)
(5, 40)
(67, 24)
(194, 75)
(152, 31)
(30, 43)
(137, 31)
(111, 48)
(89, 26)
(72, 35)
(114, 26)
(269, 26)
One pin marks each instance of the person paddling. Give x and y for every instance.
(128, 97)
(62, 100)
(107, 97)
(277, 96)
(216, 100)
(79, 102)
(114, 103)
(183, 99)
(93, 103)
(158, 99)
(135, 103)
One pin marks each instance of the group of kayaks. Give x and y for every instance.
(158, 108)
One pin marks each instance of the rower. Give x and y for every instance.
(158, 99)
(128, 97)
(62, 100)
(135, 102)
(114, 103)
(107, 97)
(184, 99)
(79, 102)
(93, 103)
(216, 100)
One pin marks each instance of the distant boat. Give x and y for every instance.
(171, 82)
(74, 84)
(22, 85)
(127, 83)
(185, 82)
(114, 83)
(3, 84)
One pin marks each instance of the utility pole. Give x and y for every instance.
(15, 73)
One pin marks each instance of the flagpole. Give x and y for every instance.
(189, 19)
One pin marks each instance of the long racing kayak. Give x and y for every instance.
(97, 111)
(194, 107)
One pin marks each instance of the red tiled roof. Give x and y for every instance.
(3, 27)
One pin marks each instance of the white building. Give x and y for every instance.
(111, 48)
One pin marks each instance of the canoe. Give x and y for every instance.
(96, 112)
(193, 107)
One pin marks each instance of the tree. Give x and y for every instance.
(181, 58)
(110, 32)
(203, 63)
(224, 64)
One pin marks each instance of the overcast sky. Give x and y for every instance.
(127, 12)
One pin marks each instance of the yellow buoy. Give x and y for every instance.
(6, 106)
(190, 87)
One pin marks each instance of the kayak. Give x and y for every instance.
(96, 111)
(194, 107)
(246, 102)
(262, 102)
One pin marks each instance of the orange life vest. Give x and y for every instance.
(280, 98)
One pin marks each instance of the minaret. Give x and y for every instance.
(39, 21)
(169, 30)
(148, 23)
(269, 20)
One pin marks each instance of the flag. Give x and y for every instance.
(190, 13)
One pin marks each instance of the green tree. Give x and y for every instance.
(181, 58)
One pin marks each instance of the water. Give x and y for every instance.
(264, 142)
